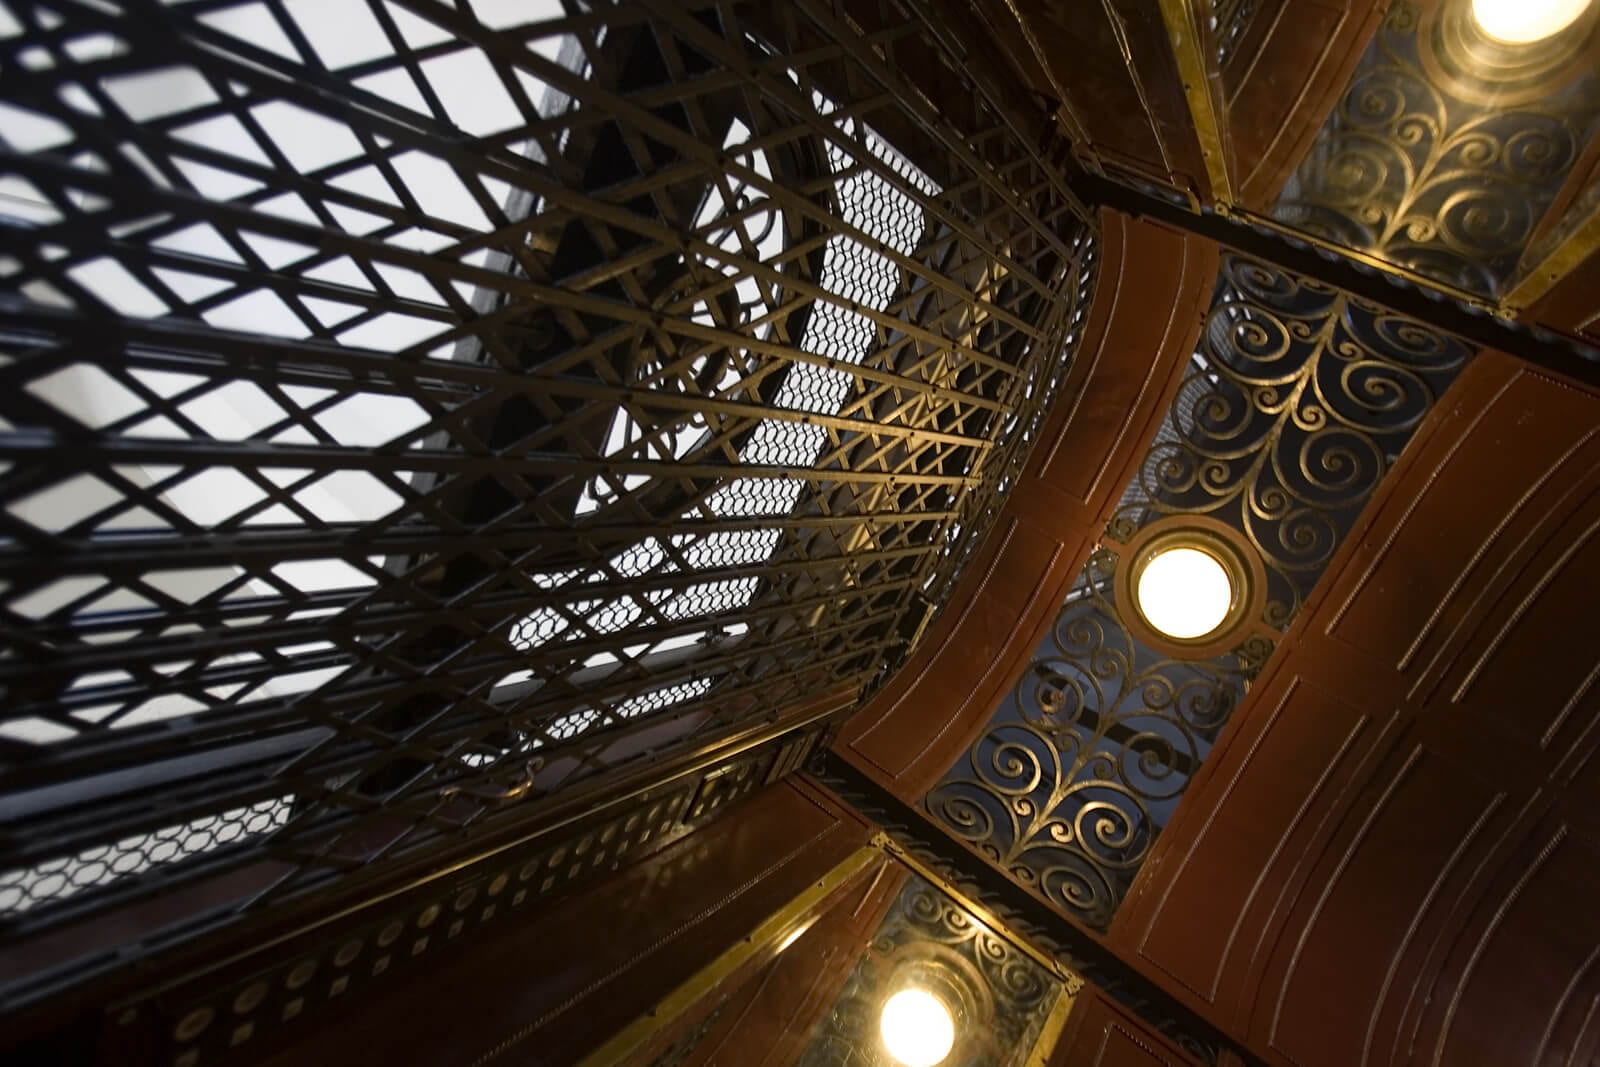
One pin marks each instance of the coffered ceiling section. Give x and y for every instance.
(1298, 400)
(1459, 155)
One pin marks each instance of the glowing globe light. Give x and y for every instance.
(917, 1028)
(1185, 593)
(1526, 21)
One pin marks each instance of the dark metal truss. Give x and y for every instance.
(414, 408)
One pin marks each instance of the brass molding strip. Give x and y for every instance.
(1184, 34)
(780, 924)
(1071, 979)
(1578, 240)
(1050, 1034)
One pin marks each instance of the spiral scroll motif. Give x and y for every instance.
(1083, 764)
(1430, 169)
(1298, 401)
(1010, 992)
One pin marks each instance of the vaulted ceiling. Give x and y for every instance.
(458, 453)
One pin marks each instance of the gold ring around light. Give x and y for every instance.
(1247, 579)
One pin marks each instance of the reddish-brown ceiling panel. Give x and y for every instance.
(1391, 856)
(1154, 287)
(768, 1017)
(1101, 1033)
(1110, 62)
(1281, 80)
(588, 964)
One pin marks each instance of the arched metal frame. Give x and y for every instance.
(413, 411)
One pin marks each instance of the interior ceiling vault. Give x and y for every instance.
(453, 450)
(494, 400)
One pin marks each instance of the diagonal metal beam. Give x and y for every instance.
(1196, 70)
(1362, 277)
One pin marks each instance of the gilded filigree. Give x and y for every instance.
(1298, 401)
(1008, 992)
(1086, 759)
(1425, 164)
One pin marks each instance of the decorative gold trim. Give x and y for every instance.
(1050, 1035)
(1557, 259)
(1184, 34)
(777, 926)
(1246, 574)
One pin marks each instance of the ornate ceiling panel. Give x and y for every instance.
(1447, 148)
(1005, 995)
(1299, 400)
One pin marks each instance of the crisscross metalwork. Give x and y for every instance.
(413, 408)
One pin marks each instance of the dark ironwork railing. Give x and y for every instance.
(414, 409)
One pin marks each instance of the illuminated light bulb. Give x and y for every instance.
(917, 1028)
(1526, 21)
(1185, 593)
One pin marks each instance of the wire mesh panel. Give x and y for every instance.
(412, 408)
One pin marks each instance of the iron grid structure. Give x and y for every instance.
(413, 408)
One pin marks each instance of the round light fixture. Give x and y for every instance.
(1526, 21)
(917, 1028)
(1190, 586)
(1185, 592)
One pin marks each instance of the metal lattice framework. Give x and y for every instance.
(413, 407)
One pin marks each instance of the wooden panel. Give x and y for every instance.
(1391, 856)
(1100, 1033)
(1532, 624)
(1233, 864)
(766, 1018)
(1155, 285)
(1408, 841)
(586, 965)
(1523, 977)
(1414, 588)
(1128, 106)
(1285, 76)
